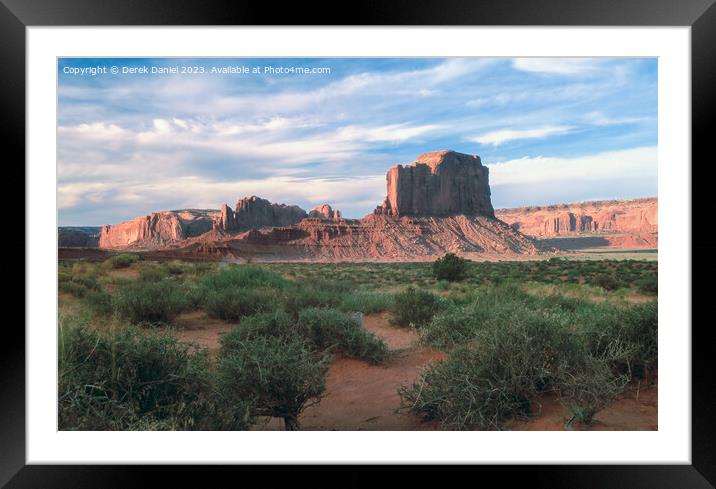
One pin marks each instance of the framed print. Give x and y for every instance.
(429, 235)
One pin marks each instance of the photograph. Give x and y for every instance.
(357, 243)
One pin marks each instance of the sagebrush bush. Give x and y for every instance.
(323, 329)
(626, 336)
(518, 345)
(416, 307)
(589, 388)
(607, 282)
(123, 260)
(233, 304)
(458, 393)
(648, 284)
(131, 379)
(450, 267)
(151, 302)
(367, 301)
(99, 302)
(282, 376)
(454, 326)
(313, 293)
(243, 276)
(343, 332)
(515, 355)
(153, 273)
(72, 288)
(277, 324)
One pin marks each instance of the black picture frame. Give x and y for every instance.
(700, 15)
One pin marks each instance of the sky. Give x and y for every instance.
(136, 136)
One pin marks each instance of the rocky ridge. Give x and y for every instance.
(617, 223)
(439, 203)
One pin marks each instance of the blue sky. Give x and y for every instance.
(550, 129)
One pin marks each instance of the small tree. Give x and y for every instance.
(281, 376)
(450, 267)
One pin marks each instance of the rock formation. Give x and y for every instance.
(158, 228)
(375, 238)
(630, 216)
(254, 212)
(441, 183)
(621, 224)
(439, 203)
(326, 212)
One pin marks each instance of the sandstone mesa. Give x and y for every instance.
(439, 203)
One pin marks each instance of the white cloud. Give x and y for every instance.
(495, 138)
(600, 119)
(94, 131)
(623, 164)
(557, 66)
(393, 132)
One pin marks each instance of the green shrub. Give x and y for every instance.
(366, 301)
(451, 327)
(607, 282)
(276, 324)
(123, 261)
(332, 329)
(281, 376)
(648, 284)
(152, 302)
(322, 329)
(589, 389)
(243, 276)
(625, 336)
(131, 379)
(73, 288)
(459, 394)
(99, 302)
(450, 267)
(153, 273)
(233, 304)
(314, 293)
(517, 352)
(416, 307)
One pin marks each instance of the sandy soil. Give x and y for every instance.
(627, 413)
(361, 396)
(198, 327)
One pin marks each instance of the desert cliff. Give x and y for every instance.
(608, 223)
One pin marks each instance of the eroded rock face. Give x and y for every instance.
(158, 228)
(326, 212)
(254, 212)
(441, 183)
(612, 216)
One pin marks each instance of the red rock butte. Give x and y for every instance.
(440, 183)
(436, 204)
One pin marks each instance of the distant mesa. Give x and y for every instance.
(439, 203)
(606, 216)
(158, 228)
(441, 183)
